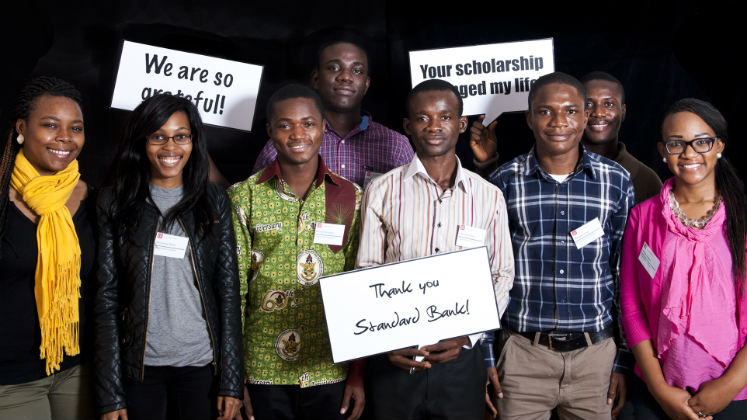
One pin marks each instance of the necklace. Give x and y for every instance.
(694, 223)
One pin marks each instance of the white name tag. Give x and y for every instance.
(586, 233)
(470, 237)
(171, 246)
(649, 260)
(369, 176)
(328, 233)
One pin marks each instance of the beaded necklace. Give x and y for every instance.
(694, 223)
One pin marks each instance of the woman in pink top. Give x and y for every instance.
(684, 303)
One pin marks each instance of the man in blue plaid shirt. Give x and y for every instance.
(567, 207)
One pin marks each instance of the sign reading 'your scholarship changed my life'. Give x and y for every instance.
(224, 91)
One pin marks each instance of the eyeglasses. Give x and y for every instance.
(701, 145)
(160, 139)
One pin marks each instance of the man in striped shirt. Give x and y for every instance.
(567, 210)
(415, 211)
(353, 145)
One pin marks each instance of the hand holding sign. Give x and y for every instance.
(482, 139)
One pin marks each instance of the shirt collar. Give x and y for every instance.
(273, 170)
(363, 126)
(585, 163)
(416, 167)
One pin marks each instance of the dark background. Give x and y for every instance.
(660, 51)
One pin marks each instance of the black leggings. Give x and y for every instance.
(172, 392)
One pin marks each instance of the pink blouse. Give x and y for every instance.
(689, 308)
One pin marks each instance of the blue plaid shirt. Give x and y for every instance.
(559, 287)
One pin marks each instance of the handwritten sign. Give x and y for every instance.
(416, 302)
(225, 92)
(492, 79)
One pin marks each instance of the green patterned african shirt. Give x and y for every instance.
(285, 333)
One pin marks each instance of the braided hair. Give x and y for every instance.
(728, 185)
(24, 104)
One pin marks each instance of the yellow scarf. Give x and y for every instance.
(57, 285)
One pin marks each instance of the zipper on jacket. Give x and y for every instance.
(202, 298)
(147, 307)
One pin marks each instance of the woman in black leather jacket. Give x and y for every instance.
(167, 310)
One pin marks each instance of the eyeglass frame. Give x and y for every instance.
(167, 138)
(712, 141)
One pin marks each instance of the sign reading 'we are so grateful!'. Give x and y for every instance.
(403, 304)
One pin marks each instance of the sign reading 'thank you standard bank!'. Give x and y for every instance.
(408, 303)
(224, 91)
(493, 78)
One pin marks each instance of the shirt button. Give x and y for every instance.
(342, 166)
(562, 271)
(562, 212)
(343, 141)
(439, 224)
(438, 250)
(562, 242)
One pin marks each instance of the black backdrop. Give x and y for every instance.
(660, 51)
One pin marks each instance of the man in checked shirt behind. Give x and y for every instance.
(353, 145)
(567, 208)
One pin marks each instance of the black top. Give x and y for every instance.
(20, 335)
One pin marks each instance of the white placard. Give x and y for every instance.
(493, 78)
(416, 302)
(225, 92)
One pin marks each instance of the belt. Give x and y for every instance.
(567, 341)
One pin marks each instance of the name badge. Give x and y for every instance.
(171, 246)
(586, 233)
(369, 176)
(328, 233)
(649, 260)
(470, 237)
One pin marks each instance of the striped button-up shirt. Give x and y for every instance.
(370, 147)
(560, 287)
(405, 214)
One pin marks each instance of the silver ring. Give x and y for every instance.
(700, 414)
(412, 370)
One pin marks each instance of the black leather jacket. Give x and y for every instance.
(121, 306)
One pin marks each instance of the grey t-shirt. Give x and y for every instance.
(177, 330)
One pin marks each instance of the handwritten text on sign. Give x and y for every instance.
(225, 92)
(416, 302)
(492, 79)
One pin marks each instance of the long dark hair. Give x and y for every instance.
(129, 175)
(727, 183)
(40, 86)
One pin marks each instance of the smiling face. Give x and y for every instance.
(342, 77)
(433, 122)
(557, 119)
(690, 167)
(167, 161)
(53, 133)
(606, 111)
(296, 129)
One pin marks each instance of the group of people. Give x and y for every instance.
(162, 295)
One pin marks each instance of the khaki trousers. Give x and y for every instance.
(536, 379)
(61, 396)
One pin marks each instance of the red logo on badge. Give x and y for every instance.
(160, 235)
(573, 233)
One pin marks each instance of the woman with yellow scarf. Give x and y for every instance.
(46, 247)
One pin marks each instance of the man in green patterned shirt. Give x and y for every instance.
(294, 221)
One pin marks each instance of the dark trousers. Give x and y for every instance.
(172, 392)
(641, 405)
(453, 390)
(286, 402)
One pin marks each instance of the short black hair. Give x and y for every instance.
(556, 77)
(603, 75)
(341, 37)
(435, 84)
(290, 91)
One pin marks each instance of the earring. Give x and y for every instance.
(20, 139)
(718, 155)
(664, 160)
